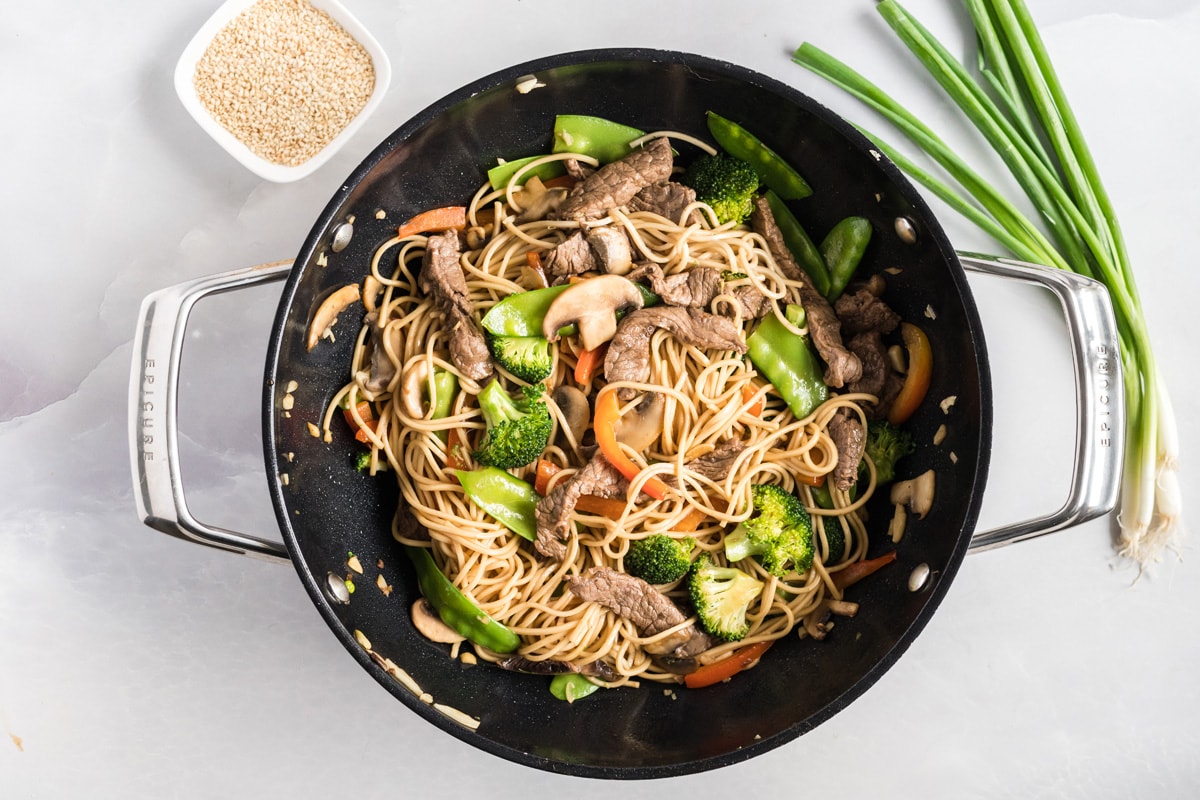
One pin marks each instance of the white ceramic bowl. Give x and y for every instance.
(279, 173)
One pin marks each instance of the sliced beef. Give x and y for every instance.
(667, 199)
(872, 354)
(694, 288)
(443, 279)
(468, 349)
(754, 304)
(610, 245)
(862, 311)
(628, 357)
(841, 366)
(617, 183)
(553, 512)
(594, 669)
(650, 611)
(716, 463)
(573, 256)
(847, 432)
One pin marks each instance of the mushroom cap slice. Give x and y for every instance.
(575, 410)
(641, 428)
(331, 306)
(592, 306)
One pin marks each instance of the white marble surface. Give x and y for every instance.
(133, 665)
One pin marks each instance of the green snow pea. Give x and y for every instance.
(843, 250)
(787, 361)
(602, 139)
(510, 500)
(772, 170)
(456, 609)
(798, 242)
(571, 687)
(521, 314)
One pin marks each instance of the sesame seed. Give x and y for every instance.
(284, 78)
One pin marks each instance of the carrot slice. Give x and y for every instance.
(601, 506)
(435, 220)
(608, 413)
(920, 373)
(861, 569)
(728, 667)
(363, 409)
(756, 409)
(544, 471)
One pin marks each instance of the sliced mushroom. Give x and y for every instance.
(641, 427)
(916, 493)
(371, 289)
(427, 622)
(611, 246)
(331, 306)
(412, 389)
(574, 405)
(592, 305)
(537, 201)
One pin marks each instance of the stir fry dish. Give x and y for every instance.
(634, 410)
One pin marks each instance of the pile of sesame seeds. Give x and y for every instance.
(284, 78)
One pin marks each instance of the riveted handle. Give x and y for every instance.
(153, 418)
(1100, 399)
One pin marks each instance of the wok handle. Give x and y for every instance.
(153, 420)
(1099, 394)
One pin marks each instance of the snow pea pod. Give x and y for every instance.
(456, 609)
(843, 249)
(602, 139)
(788, 362)
(571, 687)
(510, 500)
(798, 242)
(776, 173)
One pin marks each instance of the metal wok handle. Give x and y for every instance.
(1100, 423)
(153, 422)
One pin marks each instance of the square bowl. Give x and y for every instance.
(185, 87)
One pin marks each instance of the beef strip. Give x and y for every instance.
(842, 366)
(572, 256)
(667, 199)
(593, 669)
(754, 303)
(443, 279)
(716, 463)
(871, 352)
(553, 512)
(694, 288)
(615, 184)
(847, 432)
(628, 357)
(650, 611)
(862, 311)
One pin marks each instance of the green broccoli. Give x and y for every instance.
(526, 357)
(721, 596)
(780, 534)
(725, 183)
(659, 558)
(517, 429)
(886, 444)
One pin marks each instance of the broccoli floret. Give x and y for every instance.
(526, 357)
(725, 183)
(517, 429)
(721, 596)
(886, 444)
(659, 558)
(780, 533)
(835, 538)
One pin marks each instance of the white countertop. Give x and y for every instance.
(134, 665)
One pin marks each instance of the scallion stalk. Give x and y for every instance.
(1018, 105)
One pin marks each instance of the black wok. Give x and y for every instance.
(326, 509)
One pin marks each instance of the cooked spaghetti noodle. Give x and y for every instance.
(709, 397)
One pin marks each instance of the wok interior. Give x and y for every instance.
(327, 509)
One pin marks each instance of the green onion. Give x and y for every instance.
(1016, 103)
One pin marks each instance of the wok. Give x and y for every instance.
(325, 508)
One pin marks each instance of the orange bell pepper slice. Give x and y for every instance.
(920, 373)
(608, 413)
